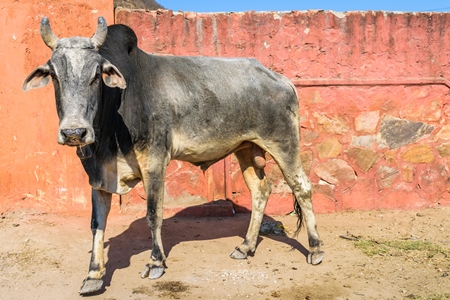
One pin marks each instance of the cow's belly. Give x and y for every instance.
(196, 150)
(202, 153)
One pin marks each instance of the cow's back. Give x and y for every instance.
(217, 88)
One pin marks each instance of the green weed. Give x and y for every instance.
(372, 247)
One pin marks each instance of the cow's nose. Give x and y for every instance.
(74, 134)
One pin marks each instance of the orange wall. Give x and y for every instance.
(34, 169)
(360, 77)
(351, 70)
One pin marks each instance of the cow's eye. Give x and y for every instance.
(96, 77)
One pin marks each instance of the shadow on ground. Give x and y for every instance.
(137, 238)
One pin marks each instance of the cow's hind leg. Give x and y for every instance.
(290, 165)
(256, 180)
(101, 205)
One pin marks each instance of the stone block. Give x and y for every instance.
(396, 133)
(365, 141)
(444, 133)
(362, 158)
(367, 122)
(418, 154)
(336, 171)
(325, 189)
(444, 150)
(308, 135)
(434, 181)
(306, 157)
(335, 125)
(408, 173)
(390, 156)
(431, 111)
(329, 149)
(385, 177)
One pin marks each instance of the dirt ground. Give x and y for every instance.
(46, 256)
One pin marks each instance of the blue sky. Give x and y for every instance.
(287, 5)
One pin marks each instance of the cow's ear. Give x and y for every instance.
(38, 78)
(112, 77)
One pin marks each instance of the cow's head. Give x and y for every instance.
(76, 69)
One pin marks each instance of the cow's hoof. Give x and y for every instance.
(315, 258)
(152, 272)
(90, 286)
(146, 271)
(156, 272)
(238, 254)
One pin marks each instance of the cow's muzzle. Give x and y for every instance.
(75, 137)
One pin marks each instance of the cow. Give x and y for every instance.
(129, 113)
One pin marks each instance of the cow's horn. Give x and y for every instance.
(47, 34)
(100, 35)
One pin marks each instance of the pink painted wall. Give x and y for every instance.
(359, 76)
(373, 92)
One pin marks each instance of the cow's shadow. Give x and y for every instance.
(137, 238)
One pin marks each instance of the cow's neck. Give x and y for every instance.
(111, 134)
(112, 143)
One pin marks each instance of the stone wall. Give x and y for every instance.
(373, 92)
(373, 95)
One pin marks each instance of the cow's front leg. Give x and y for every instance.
(154, 186)
(101, 205)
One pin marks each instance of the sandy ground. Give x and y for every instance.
(46, 256)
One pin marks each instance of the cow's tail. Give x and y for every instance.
(299, 213)
(297, 208)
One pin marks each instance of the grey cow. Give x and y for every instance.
(129, 113)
